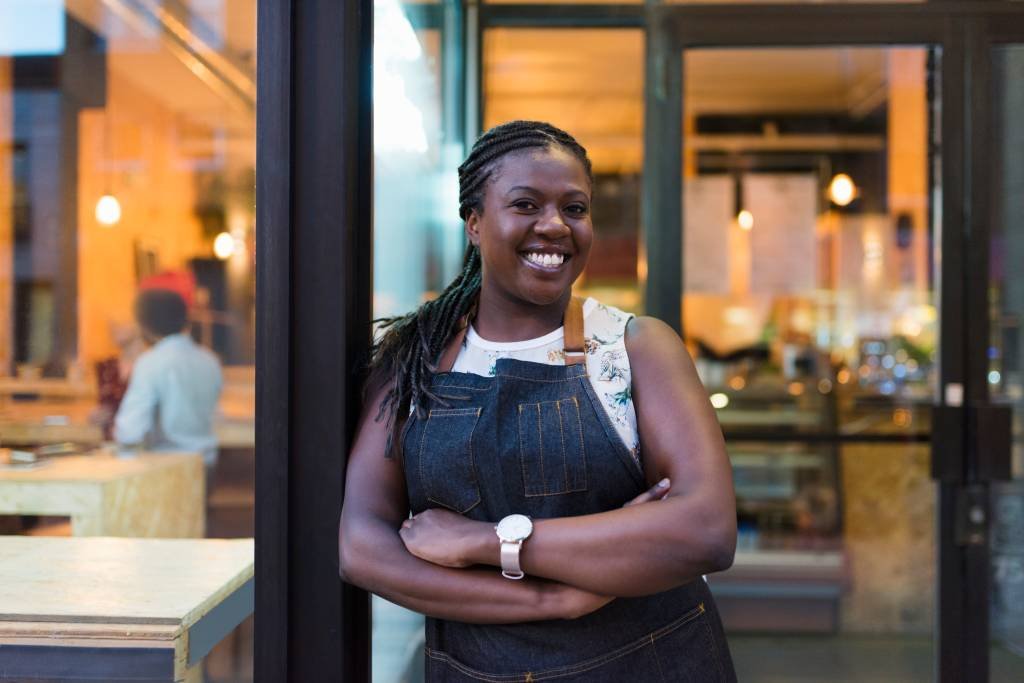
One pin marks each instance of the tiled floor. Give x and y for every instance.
(849, 659)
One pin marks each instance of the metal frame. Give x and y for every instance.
(982, 466)
(314, 282)
(314, 189)
(963, 33)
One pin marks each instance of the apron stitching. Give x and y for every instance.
(561, 436)
(549, 381)
(522, 453)
(583, 443)
(657, 662)
(540, 448)
(714, 646)
(580, 667)
(612, 434)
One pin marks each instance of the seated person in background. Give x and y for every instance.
(112, 375)
(175, 384)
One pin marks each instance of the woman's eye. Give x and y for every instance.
(576, 210)
(524, 205)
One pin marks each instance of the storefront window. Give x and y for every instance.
(589, 83)
(418, 239)
(127, 165)
(1006, 357)
(809, 307)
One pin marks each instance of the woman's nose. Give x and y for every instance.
(552, 225)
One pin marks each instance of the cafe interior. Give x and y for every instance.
(809, 293)
(127, 163)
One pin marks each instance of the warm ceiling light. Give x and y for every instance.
(719, 400)
(108, 210)
(842, 190)
(223, 246)
(745, 219)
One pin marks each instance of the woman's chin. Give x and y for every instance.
(546, 296)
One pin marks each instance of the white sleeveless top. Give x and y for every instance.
(604, 329)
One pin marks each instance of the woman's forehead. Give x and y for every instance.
(540, 165)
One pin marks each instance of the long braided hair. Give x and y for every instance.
(405, 355)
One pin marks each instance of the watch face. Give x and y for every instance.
(515, 528)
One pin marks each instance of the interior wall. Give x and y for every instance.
(6, 208)
(908, 156)
(145, 168)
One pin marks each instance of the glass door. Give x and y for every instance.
(809, 303)
(1005, 356)
(819, 274)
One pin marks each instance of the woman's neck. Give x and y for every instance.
(501, 319)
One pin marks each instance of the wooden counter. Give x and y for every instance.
(148, 495)
(77, 609)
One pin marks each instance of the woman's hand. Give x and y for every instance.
(656, 492)
(449, 539)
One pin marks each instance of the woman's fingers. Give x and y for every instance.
(656, 492)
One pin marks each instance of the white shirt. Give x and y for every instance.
(172, 399)
(604, 330)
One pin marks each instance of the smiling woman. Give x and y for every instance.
(534, 232)
(521, 453)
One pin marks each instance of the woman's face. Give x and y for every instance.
(535, 231)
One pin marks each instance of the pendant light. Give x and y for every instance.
(842, 190)
(108, 209)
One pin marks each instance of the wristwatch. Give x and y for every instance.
(512, 531)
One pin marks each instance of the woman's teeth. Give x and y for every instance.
(546, 259)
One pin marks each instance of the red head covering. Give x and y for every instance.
(180, 282)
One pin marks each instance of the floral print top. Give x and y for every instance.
(604, 329)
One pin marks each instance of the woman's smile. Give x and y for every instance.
(545, 261)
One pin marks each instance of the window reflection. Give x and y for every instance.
(127, 163)
(418, 237)
(809, 308)
(1006, 350)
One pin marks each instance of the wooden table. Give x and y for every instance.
(115, 609)
(47, 386)
(32, 423)
(149, 495)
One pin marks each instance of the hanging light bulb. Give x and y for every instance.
(745, 219)
(108, 210)
(842, 190)
(223, 246)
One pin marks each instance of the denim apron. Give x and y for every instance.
(535, 440)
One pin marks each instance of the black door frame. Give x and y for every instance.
(962, 463)
(988, 430)
(313, 296)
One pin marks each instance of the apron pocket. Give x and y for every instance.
(551, 447)
(687, 651)
(447, 472)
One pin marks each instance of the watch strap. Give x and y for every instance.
(510, 568)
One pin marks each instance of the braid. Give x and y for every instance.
(406, 354)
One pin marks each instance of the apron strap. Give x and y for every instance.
(575, 354)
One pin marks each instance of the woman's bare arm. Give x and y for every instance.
(640, 549)
(372, 555)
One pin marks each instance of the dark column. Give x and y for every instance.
(662, 205)
(314, 289)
